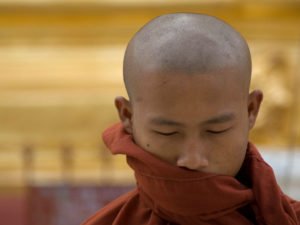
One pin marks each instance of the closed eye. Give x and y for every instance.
(166, 134)
(217, 131)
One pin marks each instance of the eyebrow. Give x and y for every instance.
(220, 119)
(214, 120)
(166, 122)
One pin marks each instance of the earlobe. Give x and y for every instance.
(254, 100)
(125, 112)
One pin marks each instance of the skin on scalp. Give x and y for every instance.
(187, 77)
(185, 43)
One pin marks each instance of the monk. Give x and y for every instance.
(184, 131)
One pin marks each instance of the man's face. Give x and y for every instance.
(197, 122)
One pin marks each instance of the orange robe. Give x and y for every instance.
(169, 195)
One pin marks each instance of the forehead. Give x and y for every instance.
(179, 95)
(178, 85)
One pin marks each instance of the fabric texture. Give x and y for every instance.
(169, 195)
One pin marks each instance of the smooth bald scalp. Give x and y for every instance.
(185, 43)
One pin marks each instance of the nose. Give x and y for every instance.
(193, 157)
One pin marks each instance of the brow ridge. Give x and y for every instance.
(214, 120)
(220, 119)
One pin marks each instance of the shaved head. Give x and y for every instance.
(187, 76)
(185, 43)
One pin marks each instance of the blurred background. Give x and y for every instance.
(60, 69)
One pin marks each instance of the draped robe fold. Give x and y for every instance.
(169, 195)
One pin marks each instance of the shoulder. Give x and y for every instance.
(107, 214)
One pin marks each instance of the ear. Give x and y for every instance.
(254, 100)
(125, 112)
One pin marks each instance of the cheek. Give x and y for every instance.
(235, 154)
(146, 140)
(238, 143)
(163, 149)
(227, 153)
(138, 130)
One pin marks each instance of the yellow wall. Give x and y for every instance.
(61, 66)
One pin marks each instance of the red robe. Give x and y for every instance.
(169, 195)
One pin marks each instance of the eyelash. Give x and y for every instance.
(166, 134)
(217, 132)
(175, 132)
